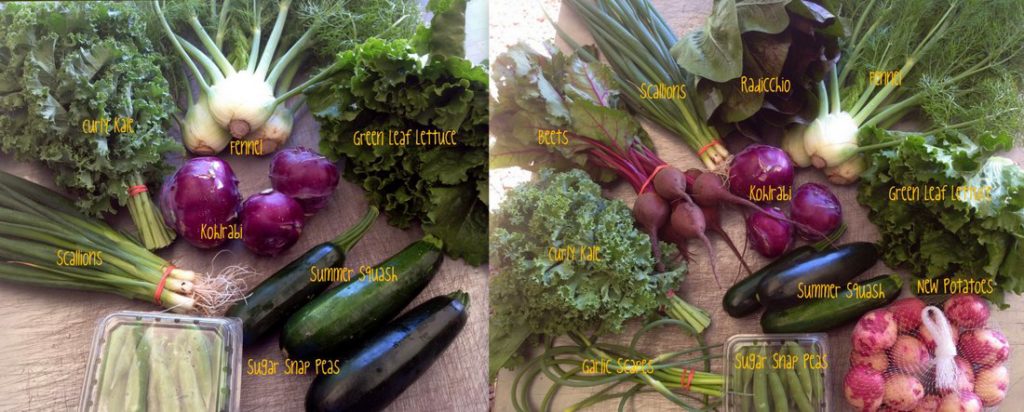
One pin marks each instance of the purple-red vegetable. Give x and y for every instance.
(651, 212)
(670, 183)
(271, 222)
(305, 175)
(769, 234)
(714, 223)
(759, 166)
(709, 191)
(688, 221)
(816, 207)
(200, 200)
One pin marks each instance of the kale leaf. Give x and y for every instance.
(534, 293)
(62, 64)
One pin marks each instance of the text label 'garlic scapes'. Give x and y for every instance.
(243, 89)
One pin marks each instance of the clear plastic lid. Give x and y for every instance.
(163, 362)
(788, 371)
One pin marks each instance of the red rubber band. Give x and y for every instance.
(684, 382)
(706, 147)
(135, 190)
(651, 178)
(160, 286)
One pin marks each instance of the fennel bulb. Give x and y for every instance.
(275, 131)
(241, 102)
(793, 144)
(831, 139)
(201, 133)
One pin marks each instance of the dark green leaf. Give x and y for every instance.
(715, 51)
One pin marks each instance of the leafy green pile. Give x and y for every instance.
(959, 61)
(973, 239)
(748, 40)
(62, 64)
(386, 86)
(533, 294)
(559, 92)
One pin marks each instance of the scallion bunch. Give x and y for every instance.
(637, 43)
(36, 223)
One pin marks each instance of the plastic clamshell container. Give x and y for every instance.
(778, 360)
(200, 363)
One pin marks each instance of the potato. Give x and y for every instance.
(907, 312)
(929, 403)
(863, 388)
(903, 392)
(991, 385)
(909, 354)
(984, 347)
(875, 332)
(966, 311)
(878, 361)
(963, 401)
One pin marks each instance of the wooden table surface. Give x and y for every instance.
(46, 334)
(699, 287)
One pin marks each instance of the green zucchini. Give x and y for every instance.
(343, 315)
(780, 290)
(393, 359)
(271, 302)
(820, 315)
(741, 299)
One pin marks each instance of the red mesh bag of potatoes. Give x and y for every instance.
(911, 356)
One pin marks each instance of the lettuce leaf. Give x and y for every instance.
(963, 238)
(383, 86)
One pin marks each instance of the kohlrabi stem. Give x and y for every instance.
(254, 52)
(181, 51)
(822, 100)
(204, 60)
(833, 88)
(892, 110)
(275, 37)
(221, 22)
(211, 48)
(298, 47)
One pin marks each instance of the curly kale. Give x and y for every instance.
(534, 294)
(62, 64)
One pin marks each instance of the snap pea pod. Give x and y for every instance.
(798, 395)
(162, 394)
(817, 380)
(113, 367)
(203, 367)
(735, 383)
(778, 392)
(747, 374)
(137, 390)
(761, 387)
(183, 369)
(801, 367)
